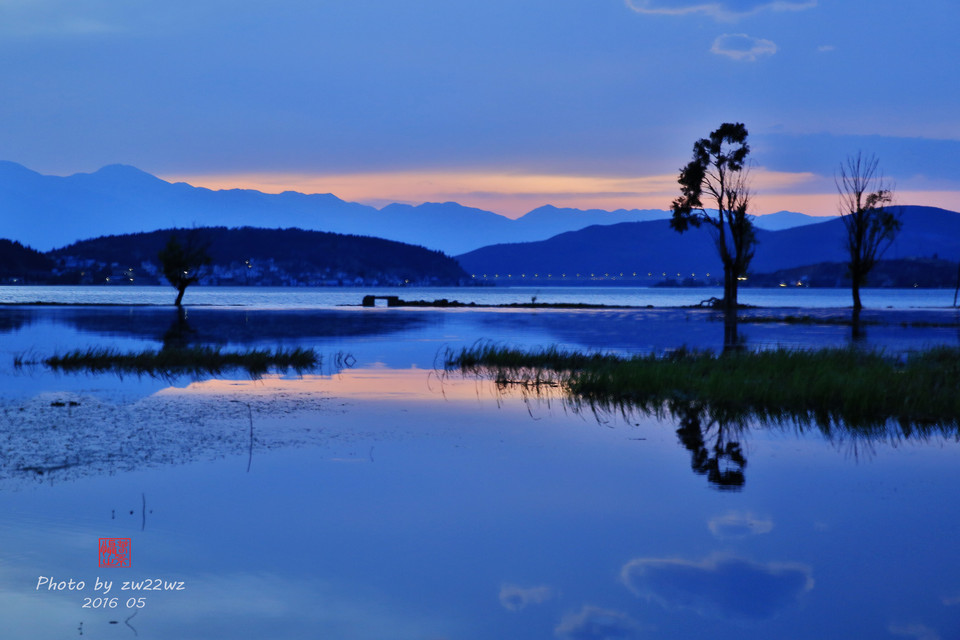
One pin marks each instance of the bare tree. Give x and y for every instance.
(717, 171)
(870, 225)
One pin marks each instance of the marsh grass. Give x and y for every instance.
(826, 387)
(194, 360)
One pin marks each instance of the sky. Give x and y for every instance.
(505, 105)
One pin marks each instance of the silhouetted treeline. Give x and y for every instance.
(23, 264)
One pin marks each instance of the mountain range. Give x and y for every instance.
(654, 252)
(47, 212)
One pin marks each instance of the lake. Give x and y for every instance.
(382, 497)
(289, 297)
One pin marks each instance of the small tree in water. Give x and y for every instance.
(183, 263)
(870, 226)
(717, 172)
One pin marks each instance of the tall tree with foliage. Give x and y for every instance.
(870, 225)
(717, 174)
(183, 263)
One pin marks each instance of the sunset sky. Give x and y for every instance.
(502, 104)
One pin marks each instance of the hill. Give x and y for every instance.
(651, 252)
(247, 255)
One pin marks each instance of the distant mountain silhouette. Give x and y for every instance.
(654, 252)
(786, 220)
(50, 211)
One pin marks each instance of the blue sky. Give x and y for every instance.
(502, 104)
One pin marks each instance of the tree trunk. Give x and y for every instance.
(729, 289)
(857, 305)
(179, 300)
(957, 289)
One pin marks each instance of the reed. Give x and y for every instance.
(824, 386)
(194, 360)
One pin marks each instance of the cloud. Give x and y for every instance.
(729, 588)
(739, 525)
(742, 47)
(726, 10)
(593, 623)
(514, 598)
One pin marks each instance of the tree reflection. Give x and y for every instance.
(732, 341)
(714, 431)
(179, 333)
(714, 451)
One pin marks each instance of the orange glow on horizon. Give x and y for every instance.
(514, 194)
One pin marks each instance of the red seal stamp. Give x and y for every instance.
(115, 552)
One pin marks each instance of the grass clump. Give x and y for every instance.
(192, 360)
(826, 386)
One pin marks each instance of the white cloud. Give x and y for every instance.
(514, 598)
(826, 48)
(740, 46)
(593, 623)
(727, 10)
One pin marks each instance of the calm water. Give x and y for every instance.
(388, 500)
(286, 298)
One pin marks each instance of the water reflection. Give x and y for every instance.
(61, 436)
(721, 587)
(736, 525)
(216, 326)
(179, 334)
(594, 623)
(516, 598)
(714, 433)
(714, 449)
